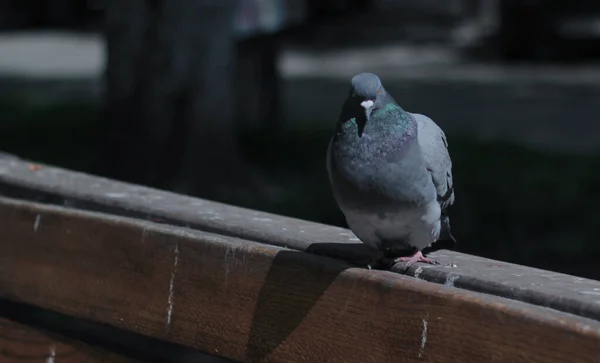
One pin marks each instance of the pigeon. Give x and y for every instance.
(391, 174)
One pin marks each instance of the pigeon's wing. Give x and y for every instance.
(328, 159)
(434, 146)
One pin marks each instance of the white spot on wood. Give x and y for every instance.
(144, 234)
(550, 276)
(595, 293)
(227, 262)
(171, 283)
(423, 337)
(50, 358)
(262, 219)
(418, 271)
(451, 279)
(36, 224)
(348, 299)
(117, 195)
(353, 239)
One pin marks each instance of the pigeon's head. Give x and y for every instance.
(368, 93)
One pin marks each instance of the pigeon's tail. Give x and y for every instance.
(445, 230)
(446, 239)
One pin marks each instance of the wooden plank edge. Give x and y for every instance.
(92, 336)
(253, 302)
(77, 190)
(19, 343)
(554, 290)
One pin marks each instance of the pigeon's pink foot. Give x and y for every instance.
(407, 261)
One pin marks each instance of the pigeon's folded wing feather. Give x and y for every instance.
(434, 147)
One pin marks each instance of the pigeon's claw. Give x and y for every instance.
(408, 261)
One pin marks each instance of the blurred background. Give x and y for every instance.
(235, 101)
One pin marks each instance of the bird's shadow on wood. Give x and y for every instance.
(361, 255)
(353, 253)
(357, 254)
(294, 284)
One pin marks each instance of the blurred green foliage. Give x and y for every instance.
(59, 133)
(513, 204)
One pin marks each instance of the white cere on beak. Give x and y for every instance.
(367, 104)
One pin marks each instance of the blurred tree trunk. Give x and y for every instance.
(169, 92)
(258, 85)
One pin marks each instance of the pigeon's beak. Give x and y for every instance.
(367, 105)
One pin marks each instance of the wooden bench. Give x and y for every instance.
(94, 270)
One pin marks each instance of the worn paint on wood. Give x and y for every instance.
(20, 343)
(53, 185)
(254, 302)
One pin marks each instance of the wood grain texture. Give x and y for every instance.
(76, 190)
(22, 344)
(252, 302)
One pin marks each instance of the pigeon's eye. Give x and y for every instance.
(379, 91)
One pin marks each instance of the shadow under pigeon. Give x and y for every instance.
(361, 255)
(354, 253)
(294, 284)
